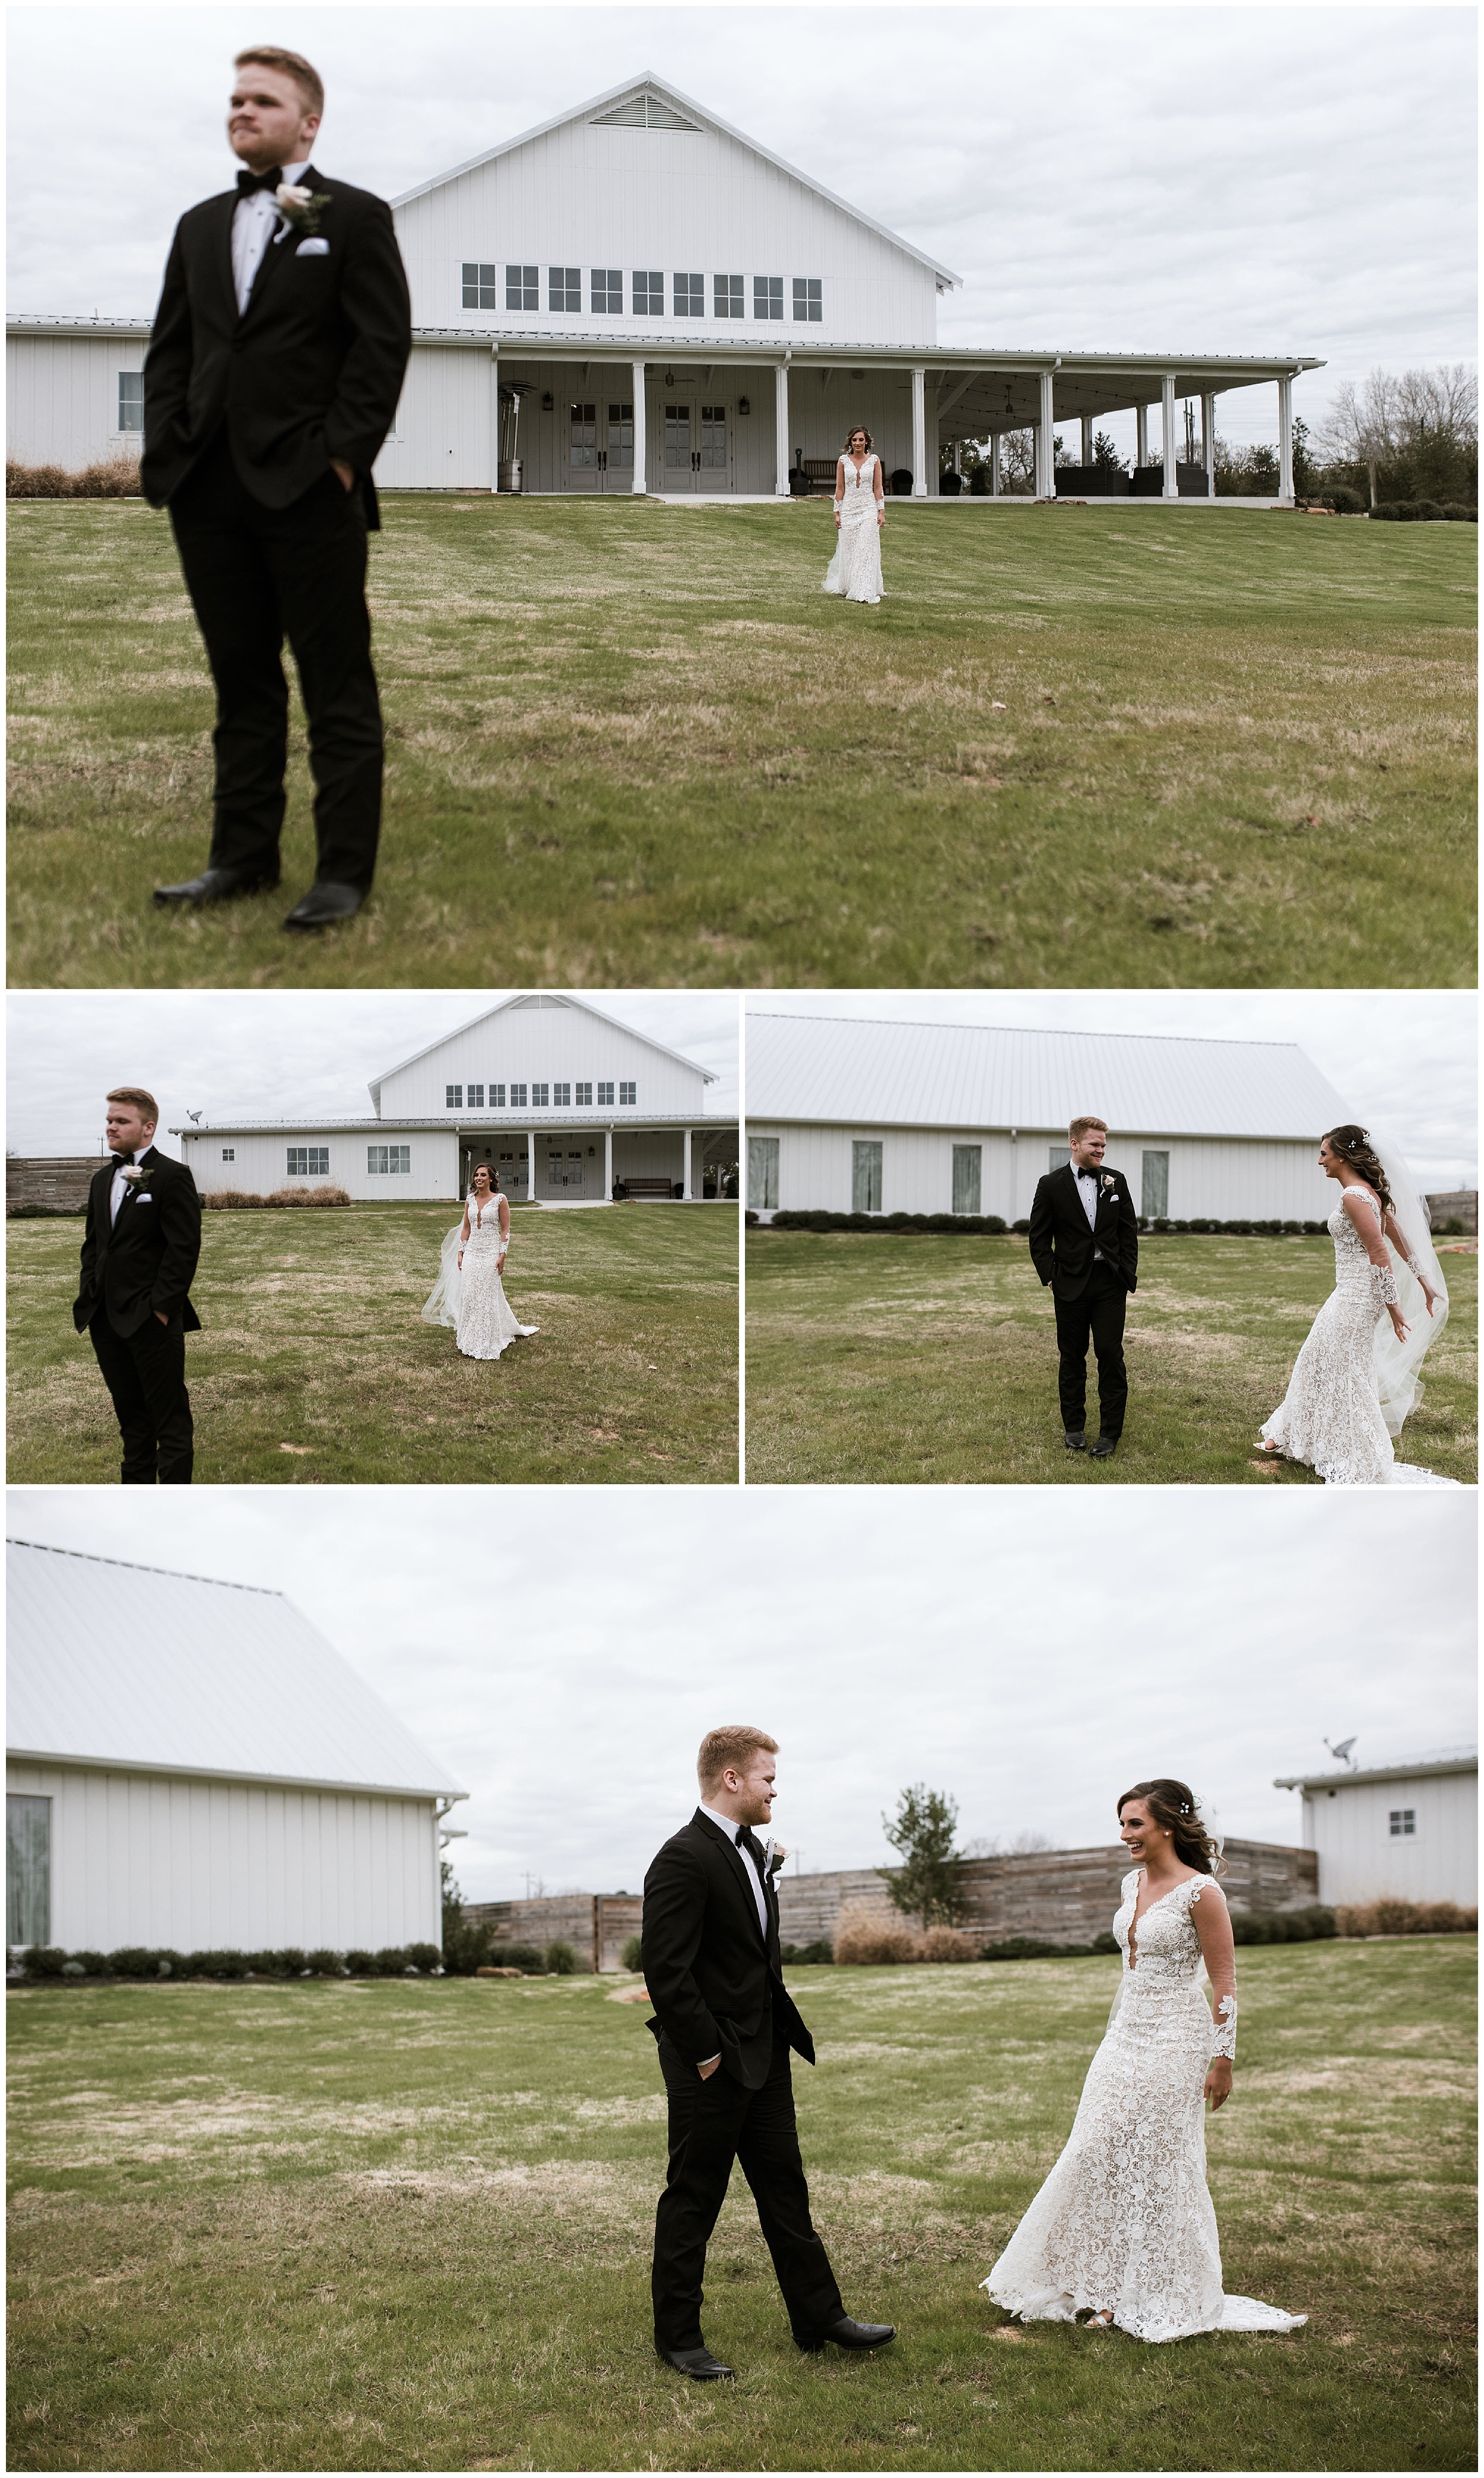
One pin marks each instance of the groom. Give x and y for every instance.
(270, 383)
(140, 1245)
(1084, 1241)
(725, 2024)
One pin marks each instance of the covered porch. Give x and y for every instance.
(582, 1162)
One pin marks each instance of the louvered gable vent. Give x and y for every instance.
(643, 112)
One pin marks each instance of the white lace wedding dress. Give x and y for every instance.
(1124, 2223)
(1331, 1417)
(472, 1297)
(855, 570)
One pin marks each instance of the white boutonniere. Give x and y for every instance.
(773, 1856)
(136, 1174)
(1109, 1179)
(301, 209)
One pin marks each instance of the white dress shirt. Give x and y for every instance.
(727, 1824)
(119, 1187)
(1087, 1193)
(253, 221)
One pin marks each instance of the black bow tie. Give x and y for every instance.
(121, 1161)
(1087, 1174)
(747, 1839)
(249, 183)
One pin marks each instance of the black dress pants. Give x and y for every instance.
(710, 2124)
(145, 1374)
(1096, 1316)
(257, 575)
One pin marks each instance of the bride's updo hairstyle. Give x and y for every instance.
(1353, 1147)
(1173, 1806)
(865, 434)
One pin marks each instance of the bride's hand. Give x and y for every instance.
(461, 1260)
(1397, 1325)
(1219, 2081)
(1429, 1296)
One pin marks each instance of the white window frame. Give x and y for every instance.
(131, 429)
(694, 295)
(395, 1161)
(476, 1094)
(973, 1178)
(229, 1152)
(453, 1096)
(479, 277)
(561, 1097)
(808, 300)
(307, 1161)
(540, 1097)
(1398, 1820)
(628, 1096)
(768, 297)
(584, 1093)
(1149, 1210)
(527, 280)
(604, 305)
(761, 1174)
(605, 1096)
(728, 293)
(518, 1096)
(21, 1823)
(649, 293)
(861, 1150)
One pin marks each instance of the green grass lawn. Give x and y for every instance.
(407, 2226)
(924, 1358)
(634, 745)
(312, 1342)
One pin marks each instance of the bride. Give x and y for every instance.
(1123, 2225)
(468, 1293)
(1356, 1378)
(859, 514)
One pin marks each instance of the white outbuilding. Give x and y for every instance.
(853, 1116)
(1405, 1832)
(191, 1767)
(566, 1104)
(742, 314)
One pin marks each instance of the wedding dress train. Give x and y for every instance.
(473, 1300)
(1124, 2222)
(1343, 1407)
(855, 570)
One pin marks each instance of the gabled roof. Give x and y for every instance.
(1456, 1760)
(864, 1072)
(538, 998)
(688, 113)
(141, 1670)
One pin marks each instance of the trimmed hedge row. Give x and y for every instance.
(988, 1225)
(237, 1200)
(1424, 512)
(1284, 1926)
(115, 478)
(137, 1961)
(1406, 1919)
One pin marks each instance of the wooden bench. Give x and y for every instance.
(821, 472)
(641, 1187)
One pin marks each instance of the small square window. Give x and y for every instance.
(561, 1097)
(131, 400)
(607, 291)
(628, 1094)
(1403, 1820)
(768, 296)
(229, 1152)
(808, 297)
(584, 1096)
(481, 286)
(496, 1097)
(453, 1096)
(540, 1097)
(649, 293)
(522, 291)
(564, 288)
(605, 1096)
(476, 1097)
(690, 296)
(518, 1096)
(727, 297)
(309, 1162)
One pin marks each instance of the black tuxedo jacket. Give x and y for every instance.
(310, 371)
(143, 1263)
(1062, 1242)
(715, 1981)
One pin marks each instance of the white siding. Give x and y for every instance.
(545, 1041)
(145, 1859)
(1216, 1179)
(1360, 1861)
(443, 431)
(62, 398)
(260, 1162)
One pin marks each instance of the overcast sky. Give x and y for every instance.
(565, 1663)
(278, 1054)
(1405, 1060)
(1179, 179)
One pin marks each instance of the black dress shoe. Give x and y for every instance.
(1101, 1447)
(216, 886)
(698, 2363)
(324, 903)
(1077, 1441)
(848, 2334)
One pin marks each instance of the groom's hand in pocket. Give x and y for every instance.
(708, 2068)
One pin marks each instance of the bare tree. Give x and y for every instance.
(1387, 415)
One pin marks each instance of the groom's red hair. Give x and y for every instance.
(289, 64)
(735, 1745)
(1080, 1126)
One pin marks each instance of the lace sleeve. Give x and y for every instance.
(1224, 2029)
(1384, 1284)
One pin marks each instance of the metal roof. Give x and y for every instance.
(647, 83)
(141, 1670)
(1460, 1759)
(514, 1123)
(843, 1070)
(540, 999)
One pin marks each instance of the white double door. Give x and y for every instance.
(599, 444)
(694, 441)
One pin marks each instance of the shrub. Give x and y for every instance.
(861, 1936)
(1346, 503)
(527, 1958)
(45, 1961)
(133, 1961)
(819, 1951)
(1458, 514)
(632, 1955)
(560, 1958)
(324, 1963)
(238, 1199)
(111, 477)
(391, 1960)
(1283, 1927)
(363, 1966)
(86, 1965)
(467, 1943)
(1024, 1948)
(289, 1963)
(952, 1225)
(425, 1956)
(948, 1944)
(1405, 1919)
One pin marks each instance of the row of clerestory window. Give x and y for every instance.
(540, 1097)
(521, 289)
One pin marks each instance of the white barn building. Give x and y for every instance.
(190, 1767)
(566, 1104)
(845, 1116)
(742, 315)
(1407, 1832)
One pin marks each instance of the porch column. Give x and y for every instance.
(1142, 418)
(640, 449)
(608, 1165)
(1172, 489)
(1086, 438)
(1208, 441)
(958, 458)
(919, 432)
(781, 429)
(1045, 452)
(1286, 440)
(495, 417)
(530, 1166)
(685, 1168)
(995, 464)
